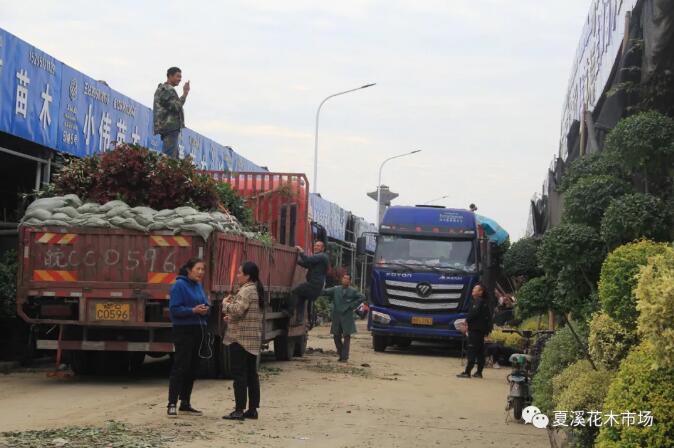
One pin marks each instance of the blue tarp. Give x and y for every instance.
(47, 102)
(493, 230)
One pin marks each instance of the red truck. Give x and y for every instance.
(101, 295)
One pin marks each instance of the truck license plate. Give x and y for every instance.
(113, 311)
(422, 320)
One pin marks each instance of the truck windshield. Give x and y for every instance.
(459, 254)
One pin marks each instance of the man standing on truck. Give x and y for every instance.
(478, 320)
(317, 268)
(167, 111)
(345, 299)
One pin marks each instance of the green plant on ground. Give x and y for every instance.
(640, 386)
(8, 269)
(608, 341)
(580, 387)
(655, 303)
(635, 216)
(618, 279)
(560, 351)
(586, 201)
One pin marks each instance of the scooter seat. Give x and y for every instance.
(515, 357)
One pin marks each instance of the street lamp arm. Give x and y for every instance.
(379, 180)
(318, 113)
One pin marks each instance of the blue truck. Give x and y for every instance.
(426, 263)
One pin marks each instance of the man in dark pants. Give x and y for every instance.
(478, 320)
(317, 268)
(167, 111)
(344, 300)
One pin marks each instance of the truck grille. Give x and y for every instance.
(424, 296)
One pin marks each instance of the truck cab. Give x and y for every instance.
(426, 263)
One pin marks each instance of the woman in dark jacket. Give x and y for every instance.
(189, 308)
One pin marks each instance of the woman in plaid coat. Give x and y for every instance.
(243, 314)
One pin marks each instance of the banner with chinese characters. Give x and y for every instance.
(47, 102)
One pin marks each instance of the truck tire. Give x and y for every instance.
(403, 342)
(379, 342)
(225, 362)
(301, 345)
(284, 348)
(82, 362)
(136, 360)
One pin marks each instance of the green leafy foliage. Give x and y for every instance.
(640, 386)
(573, 294)
(655, 303)
(573, 246)
(608, 341)
(595, 164)
(560, 351)
(8, 268)
(236, 205)
(520, 259)
(137, 176)
(580, 387)
(619, 278)
(635, 216)
(644, 145)
(587, 199)
(535, 297)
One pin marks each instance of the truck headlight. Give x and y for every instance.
(381, 318)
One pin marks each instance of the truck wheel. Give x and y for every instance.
(518, 407)
(225, 362)
(403, 342)
(136, 360)
(82, 362)
(284, 347)
(379, 342)
(301, 345)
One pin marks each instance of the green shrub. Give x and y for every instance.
(232, 201)
(644, 145)
(586, 201)
(9, 264)
(572, 246)
(520, 259)
(560, 351)
(655, 303)
(535, 297)
(608, 341)
(510, 340)
(635, 216)
(619, 277)
(639, 386)
(580, 387)
(595, 164)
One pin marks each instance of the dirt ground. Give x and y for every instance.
(401, 398)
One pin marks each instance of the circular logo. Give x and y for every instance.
(73, 89)
(424, 289)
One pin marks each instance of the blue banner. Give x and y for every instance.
(47, 102)
(30, 91)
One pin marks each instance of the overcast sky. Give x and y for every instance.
(477, 85)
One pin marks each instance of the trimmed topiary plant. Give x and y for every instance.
(535, 298)
(586, 201)
(595, 164)
(655, 303)
(619, 278)
(560, 351)
(635, 216)
(639, 386)
(608, 341)
(520, 259)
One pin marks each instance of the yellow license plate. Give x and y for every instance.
(422, 321)
(113, 311)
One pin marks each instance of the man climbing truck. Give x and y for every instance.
(427, 261)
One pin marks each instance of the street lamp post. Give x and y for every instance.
(379, 182)
(318, 112)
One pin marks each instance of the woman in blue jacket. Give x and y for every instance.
(189, 308)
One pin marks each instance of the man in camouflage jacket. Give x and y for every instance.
(168, 115)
